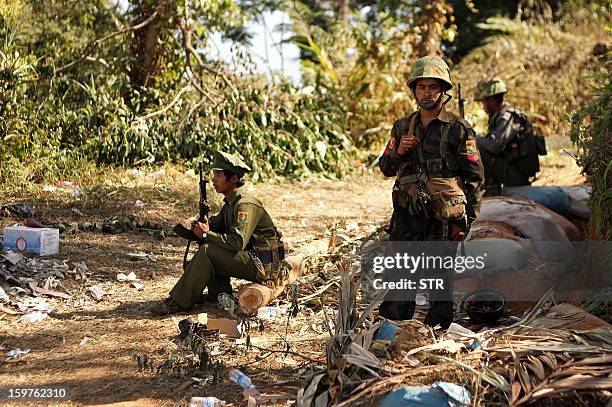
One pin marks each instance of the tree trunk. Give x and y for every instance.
(434, 17)
(146, 49)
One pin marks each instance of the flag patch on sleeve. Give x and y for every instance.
(471, 150)
(243, 216)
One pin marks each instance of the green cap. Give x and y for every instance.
(230, 162)
(431, 67)
(489, 87)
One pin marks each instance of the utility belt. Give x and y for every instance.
(269, 257)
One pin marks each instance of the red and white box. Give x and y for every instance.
(23, 239)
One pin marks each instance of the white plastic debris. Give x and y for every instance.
(129, 277)
(270, 313)
(33, 317)
(139, 204)
(422, 299)
(138, 286)
(97, 292)
(134, 172)
(206, 402)
(12, 257)
(17, 352)
(3, 295)
(457, 331)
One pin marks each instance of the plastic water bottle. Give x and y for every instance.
(241, 379)
(206, 402)
(269, 313)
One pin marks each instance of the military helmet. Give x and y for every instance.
(489, 87)
(430, 67)
(230, 162)
(484, 306)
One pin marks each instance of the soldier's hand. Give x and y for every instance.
(199, 228)
(457, 232)
(407, 143)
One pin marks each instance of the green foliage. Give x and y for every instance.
(363, 72)
(591, 133)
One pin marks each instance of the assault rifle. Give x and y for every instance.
(203, 210)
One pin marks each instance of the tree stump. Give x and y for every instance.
(254, 296)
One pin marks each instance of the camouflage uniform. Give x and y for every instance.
(509, 150)
(243, 242)
(446, 149)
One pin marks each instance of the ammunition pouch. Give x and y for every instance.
(440, 199)
(447, 199)
(269, 257)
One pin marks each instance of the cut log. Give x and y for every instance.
(254, 296)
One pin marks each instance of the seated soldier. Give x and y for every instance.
(510, 148)
(240, 241)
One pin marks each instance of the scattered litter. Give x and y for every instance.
(422, 299)
(240, 379)
(138, 286)
(440, 394)
(456, 331)
(34, 317)
(386, 332)
(23, 239)
(19, 210)
(66, 184)
(76, 192)
(270, 313)
(206, 402)
(225, 326)
(134, 172)
(139, 204)
(97, 292)
(12, 257)
(3, 294)
(129, 277)
(17, 352)
(84, 341)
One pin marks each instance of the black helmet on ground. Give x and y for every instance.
(484, 306)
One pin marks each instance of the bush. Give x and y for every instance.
(591, 133)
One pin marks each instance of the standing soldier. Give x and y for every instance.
(438, 174)
(240, 241)
(510, 148)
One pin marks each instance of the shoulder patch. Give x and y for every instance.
(471, 150)
(242, 216)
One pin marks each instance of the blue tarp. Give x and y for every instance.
(439, 394)
(554, 198)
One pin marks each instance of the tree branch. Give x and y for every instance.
(91, 47)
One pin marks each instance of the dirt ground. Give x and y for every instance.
(91, 348)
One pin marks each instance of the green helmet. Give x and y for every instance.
(489, 87)
(431, 67)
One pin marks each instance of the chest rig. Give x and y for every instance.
(431, 192)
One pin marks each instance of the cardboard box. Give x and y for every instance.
(23, 239)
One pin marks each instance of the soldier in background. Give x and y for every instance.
(510, 148)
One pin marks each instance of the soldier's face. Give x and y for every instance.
(488, 105)
(220, 183)
(427, 90)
